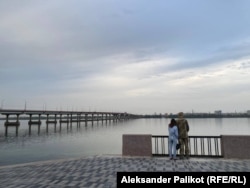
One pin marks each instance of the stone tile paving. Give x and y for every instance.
(100, 171)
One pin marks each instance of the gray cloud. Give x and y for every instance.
(83, 50)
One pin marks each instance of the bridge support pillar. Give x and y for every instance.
(48, 121)
(38, 122)
(11, 124)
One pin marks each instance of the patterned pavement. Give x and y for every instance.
(101, 171)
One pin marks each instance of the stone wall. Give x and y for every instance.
(232, 146)
(235, 146)
(136, 145)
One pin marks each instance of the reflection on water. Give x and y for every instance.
(97, 138)
(218, 121)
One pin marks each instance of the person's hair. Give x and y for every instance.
(172, 123)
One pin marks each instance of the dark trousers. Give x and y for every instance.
(184, 146)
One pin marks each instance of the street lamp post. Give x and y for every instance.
(44, 106)
(2, 101)
(25, 105)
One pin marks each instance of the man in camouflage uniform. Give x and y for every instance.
(183, 129)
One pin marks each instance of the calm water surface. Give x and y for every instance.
(98, 138)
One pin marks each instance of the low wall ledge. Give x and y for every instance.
(136, 145)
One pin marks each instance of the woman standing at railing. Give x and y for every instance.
(173, 138)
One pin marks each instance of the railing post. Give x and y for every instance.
(200, 146)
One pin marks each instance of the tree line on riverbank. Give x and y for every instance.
(200, 115)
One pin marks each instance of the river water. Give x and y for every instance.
(98, 138)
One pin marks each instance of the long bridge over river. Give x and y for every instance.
(12, 117)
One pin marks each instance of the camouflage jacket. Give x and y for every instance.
(183, 127)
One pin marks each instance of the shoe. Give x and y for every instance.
(181, 157)
(171, 158)
(175, 158)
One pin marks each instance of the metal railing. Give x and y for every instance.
(199, 146)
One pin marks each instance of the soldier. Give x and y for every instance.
(183, 129)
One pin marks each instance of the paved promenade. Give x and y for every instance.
(100, 171)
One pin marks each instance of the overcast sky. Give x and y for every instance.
(135, 56)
